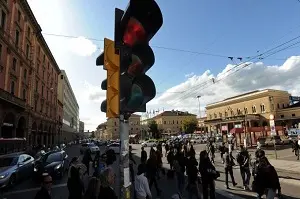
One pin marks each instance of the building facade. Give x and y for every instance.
(169, 122)
(70, 108)
(110, 129)
(247, 116)
(28, 77)
(81, 126)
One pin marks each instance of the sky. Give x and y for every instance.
(213, 49)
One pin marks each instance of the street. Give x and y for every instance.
(28, 189)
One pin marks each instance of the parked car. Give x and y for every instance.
(14, 168)
(54, 163)
(149, 143)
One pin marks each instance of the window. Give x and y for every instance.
(262, 108)
(35, 105)
(226, 114)
(27, 50)
(42, 90)
(25, 74)
(37, 69)
(253, 109)
(246, 110)
(12, 87)
(3, 19)
(43, 74)
(0, 52)
(220, 115)
(14, 64)
(239, 112)
(28, 31)
(44, 58)
(42, 107)
(61, 77)
(36, 85)
(19, 16)
(293, 115)
(47, 95)
(39, 51)
(17, 38)
(24, 94)
(282, 105)
(215, 115)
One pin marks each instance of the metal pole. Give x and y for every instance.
(199, 105)
(124, 159)
(275, 151)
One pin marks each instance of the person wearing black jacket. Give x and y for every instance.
(192, 173)
(87, 158)
(208, 175)
(243, 159)
(75, 185)
(266, 179)
(107, 181)
(143, 156)
(45, 191)
(228, 164)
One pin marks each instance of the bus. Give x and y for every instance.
(12, 145)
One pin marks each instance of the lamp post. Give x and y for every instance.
(199, 105)
(273, 132)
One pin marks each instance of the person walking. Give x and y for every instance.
(208, 175)
(228, 164)
(75, 185)
(45, 191)
(143, 156)
(141, 185)
(243, 159)
(107, 181)
(152, 166)
(93, 188)
(87, 158)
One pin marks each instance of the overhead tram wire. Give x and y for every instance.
(250, 59)
(225, 76)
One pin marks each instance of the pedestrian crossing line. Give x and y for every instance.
(32, 189)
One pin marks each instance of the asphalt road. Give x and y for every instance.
(27, 189)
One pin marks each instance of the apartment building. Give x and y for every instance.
(248, 115)
(70, 108)
(28, 78)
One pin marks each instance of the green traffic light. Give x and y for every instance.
(136, 98)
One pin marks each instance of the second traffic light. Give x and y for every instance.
(111, 63)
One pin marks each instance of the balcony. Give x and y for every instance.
(6, 96)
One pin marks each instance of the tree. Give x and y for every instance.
(93, 134)
(189, 125)
(153, 128)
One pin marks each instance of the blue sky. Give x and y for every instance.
(227, 28)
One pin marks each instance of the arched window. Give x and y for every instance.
(262, 108)
(246, 110)
(253, 109)
(24, 95)
(12, 87)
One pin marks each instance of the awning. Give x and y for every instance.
(236, 130)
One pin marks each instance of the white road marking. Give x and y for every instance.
(33, 189)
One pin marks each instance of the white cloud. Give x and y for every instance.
(189, 74)
(82, 46)
(94, 93)
(255, 76)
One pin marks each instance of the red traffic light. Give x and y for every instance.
(141, 21)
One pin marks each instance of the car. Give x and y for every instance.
(149, 143)
(114, 146)
(55, 163)
(14, 168)
(93, 148)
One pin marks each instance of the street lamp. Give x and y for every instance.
(199, 105)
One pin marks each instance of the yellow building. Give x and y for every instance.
(110, 129)
(250, 113)
(169, 122)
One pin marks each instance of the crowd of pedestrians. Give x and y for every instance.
(194, 177)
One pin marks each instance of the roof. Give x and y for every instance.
(248, 94)
(135, 115)
(173, 113)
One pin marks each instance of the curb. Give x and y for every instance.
(227, 194)
(290, 181)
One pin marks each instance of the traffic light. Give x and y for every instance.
(134, 28)
(111, 63)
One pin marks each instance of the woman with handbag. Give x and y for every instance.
(208, 175)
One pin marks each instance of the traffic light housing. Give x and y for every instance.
(134, 28)
(110, 60)
(129, 57)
